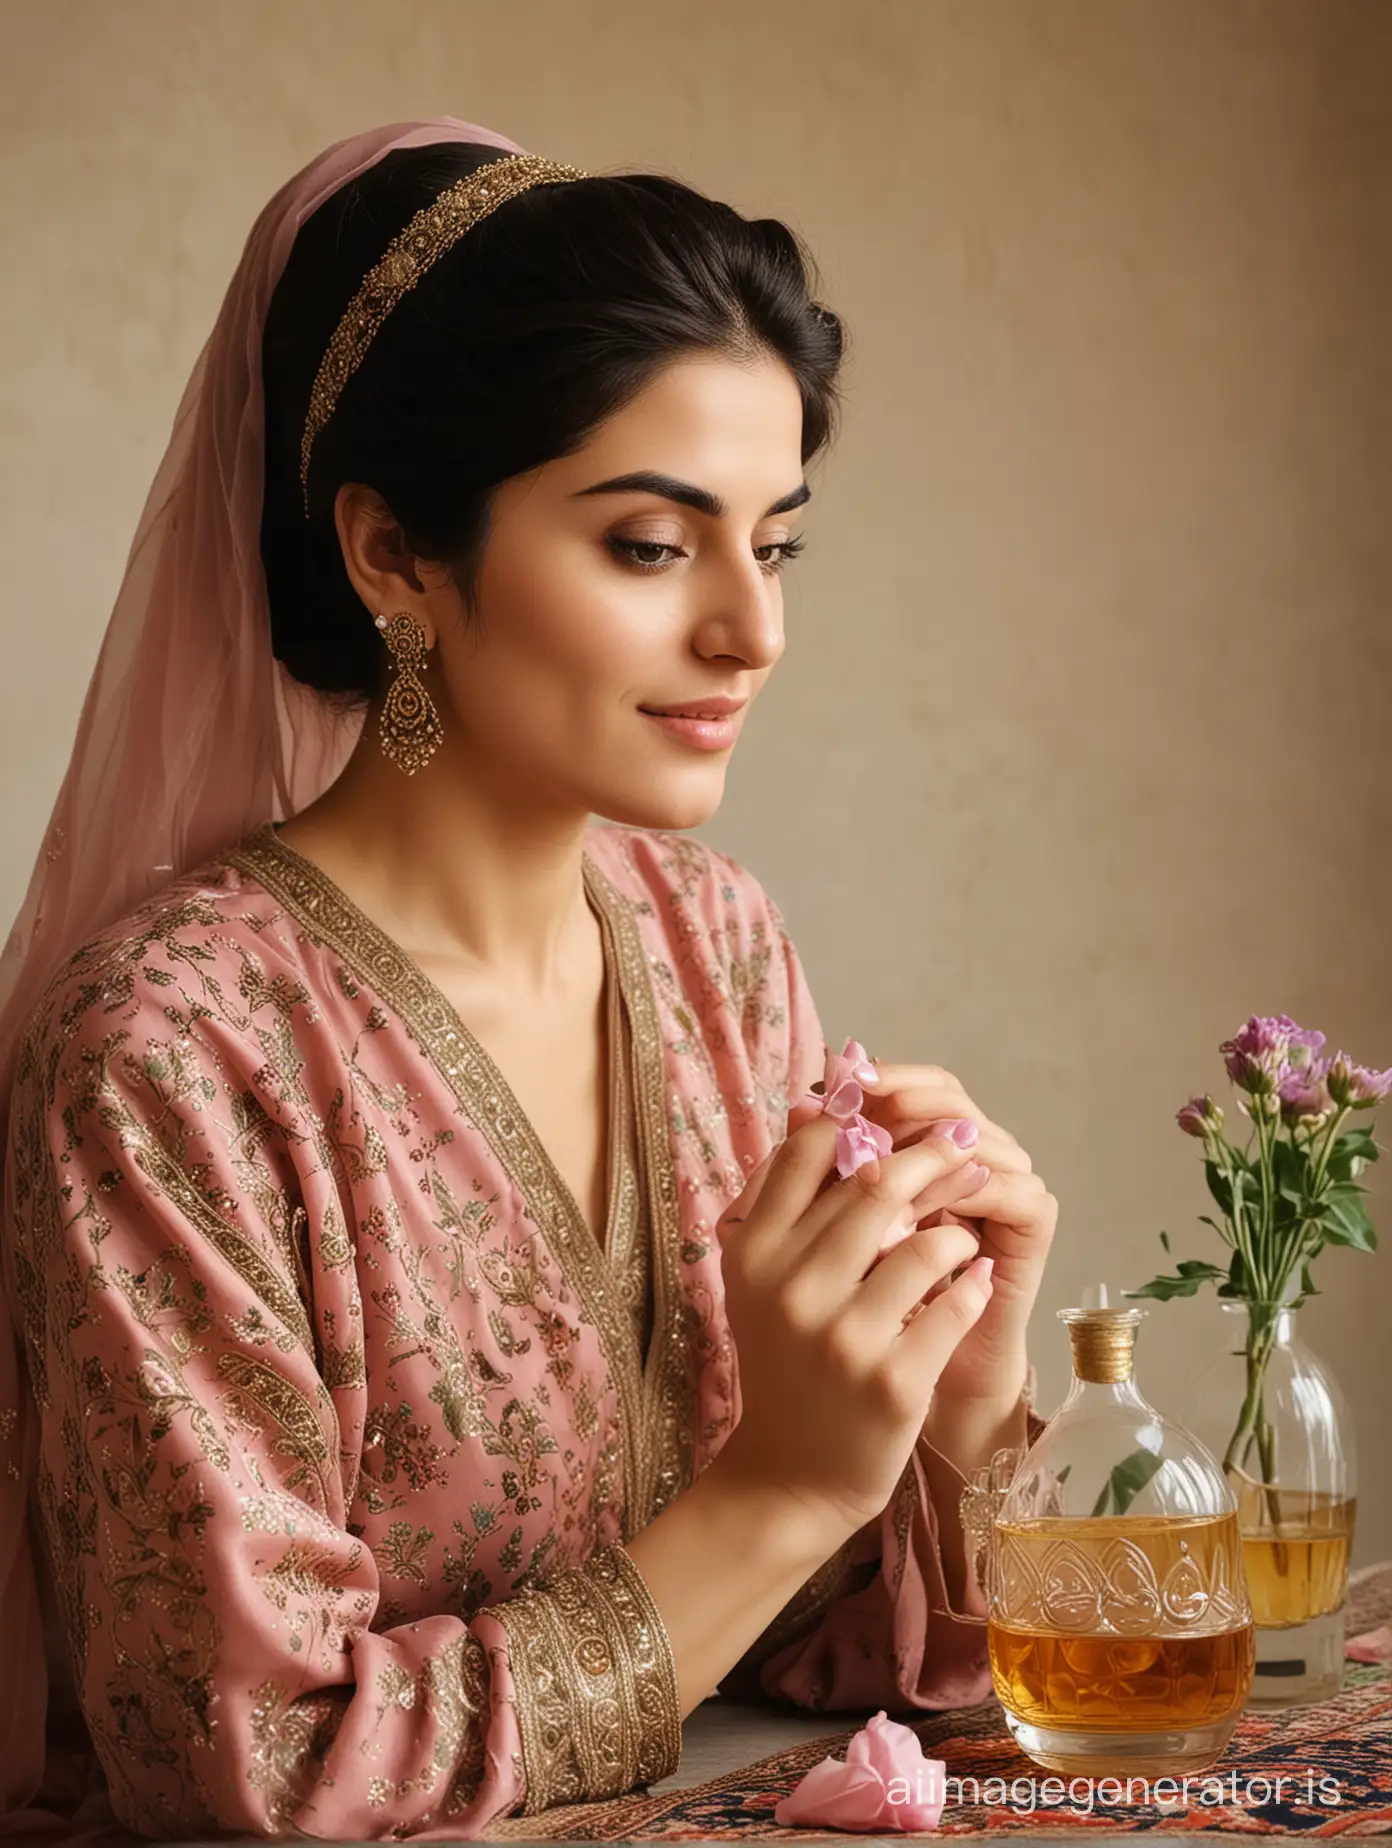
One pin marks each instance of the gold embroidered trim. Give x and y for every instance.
(597, 1698)
(665, 1465)
(656, 1402)
(627, 1232)
(420, 243)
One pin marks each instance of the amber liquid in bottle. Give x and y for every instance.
(1120, 1631)
(1132, 1682)
(1296, 1570)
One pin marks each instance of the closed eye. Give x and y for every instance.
(630, 549)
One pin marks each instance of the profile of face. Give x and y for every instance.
(599, 602)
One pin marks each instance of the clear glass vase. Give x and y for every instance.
(1120, 1633)
(1274, 1414)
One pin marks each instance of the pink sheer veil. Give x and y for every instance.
(190, 736)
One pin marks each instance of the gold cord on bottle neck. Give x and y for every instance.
(1104, 1343)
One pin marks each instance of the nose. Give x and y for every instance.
(744, 619)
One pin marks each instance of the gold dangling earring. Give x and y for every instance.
(410, 726)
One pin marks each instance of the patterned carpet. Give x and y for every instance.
(1347, 1739)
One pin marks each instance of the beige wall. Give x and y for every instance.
(1080, 749)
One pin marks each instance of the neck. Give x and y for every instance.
(455, 868)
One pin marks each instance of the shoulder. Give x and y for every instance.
(182, 954)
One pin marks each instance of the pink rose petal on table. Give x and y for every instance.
(884, 1783)
(1371, 1645)
(833, 1796)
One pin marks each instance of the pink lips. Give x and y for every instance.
(708, 724)
(705, 734)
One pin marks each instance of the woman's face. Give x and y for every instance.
(597, 604)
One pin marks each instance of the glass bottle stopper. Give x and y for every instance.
(1104, 1342)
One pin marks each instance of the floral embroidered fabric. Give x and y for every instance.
(345, 1413)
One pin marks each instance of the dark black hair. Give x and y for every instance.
(541, 322)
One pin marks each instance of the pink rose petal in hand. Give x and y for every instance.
(885, 1783)
(841, 1081)
(858, 1142)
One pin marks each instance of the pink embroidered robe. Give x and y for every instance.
(345, 1412)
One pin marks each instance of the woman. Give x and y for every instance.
(397, 1164)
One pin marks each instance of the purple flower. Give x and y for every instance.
(1356, 1085)
(1304, 1095)
(1200, 1116)
(1269, 1046)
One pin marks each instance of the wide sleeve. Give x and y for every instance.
(873, 1626)
(220, 1614)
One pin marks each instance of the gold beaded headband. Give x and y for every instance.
(433, 230)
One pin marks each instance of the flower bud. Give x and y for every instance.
(1200, 1117)
(1356, 1086)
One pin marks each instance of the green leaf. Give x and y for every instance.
(1350, 1149)
(1236, 1288)
(1220, 1187)
(1127, 1480)
(1165, 1240)
(1192, 1272)
(1345, 1218)
(1290, 1170)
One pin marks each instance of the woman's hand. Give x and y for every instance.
(837, 1359)
(1013, 1215)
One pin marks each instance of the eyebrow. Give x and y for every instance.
(648, 481)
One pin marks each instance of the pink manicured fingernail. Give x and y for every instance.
(866, 1074)
(979, 1270)
(963, 1131)
(973, 1177)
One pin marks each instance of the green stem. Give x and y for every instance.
(1266, 1447)
(1266, 1136)
(1295, 1256)
(1218, 1147)
(1261, 1336)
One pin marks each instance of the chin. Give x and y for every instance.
(658, 807)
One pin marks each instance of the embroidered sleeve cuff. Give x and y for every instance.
(597, 1700)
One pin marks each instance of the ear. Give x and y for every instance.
(382, 569)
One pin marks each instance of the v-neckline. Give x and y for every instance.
(616, 1058)
(618, 1085)
(657, 1390)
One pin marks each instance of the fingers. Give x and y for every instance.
(928, 1342)
(1023, 1215)
(906, 1094)
(791, 1181)
(843, 1233)
(903, 1277)
(739, 1209)
(905, 1097)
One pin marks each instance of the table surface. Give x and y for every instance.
(723, 1735)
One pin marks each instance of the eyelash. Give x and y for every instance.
(787, 548)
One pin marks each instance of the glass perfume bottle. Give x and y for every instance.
(1120, 1630)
